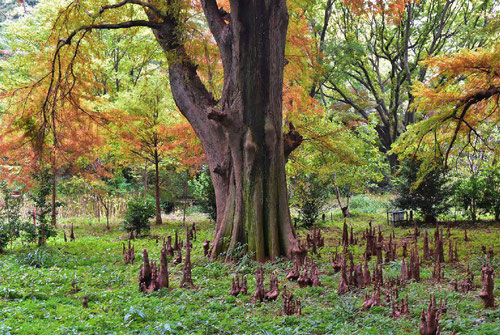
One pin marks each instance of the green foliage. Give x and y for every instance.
(40, 257)
(372, 60)
(203, 191)
(366, 203)
(139, 211)
(341, 157)
(479, 193)
(40, 229)
(167, 206)
(10, 215)
(4, 237)
(310, 195)
(35, 290)
(428, 195)
(490, 201)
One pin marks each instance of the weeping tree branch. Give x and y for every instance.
(467, 102)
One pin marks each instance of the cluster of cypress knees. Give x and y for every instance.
(153, 276)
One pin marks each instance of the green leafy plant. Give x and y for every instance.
(40, 228)
(479, 193)
(427, 194)
(310, 194)
(139, 211)
(204, 193)
(10, 215)
(168, 206)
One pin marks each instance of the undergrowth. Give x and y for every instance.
(36, 293)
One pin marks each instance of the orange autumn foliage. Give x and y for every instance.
(460, 106)
(393, 10)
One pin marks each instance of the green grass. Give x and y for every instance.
(35, 287)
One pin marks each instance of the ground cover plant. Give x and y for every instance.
(38, 292)
(236, 166)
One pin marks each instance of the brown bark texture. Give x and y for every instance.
(241, 133)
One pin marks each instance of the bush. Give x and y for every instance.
(10, 216)
(490, 201)
(168, 206)
(139, 211)
(310, 196)
(479, 193)
(4, 236)
(41, 229)
(204, 193)
(426, 194)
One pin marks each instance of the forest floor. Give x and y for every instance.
(36, 292)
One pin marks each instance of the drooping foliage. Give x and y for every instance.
(460, 108)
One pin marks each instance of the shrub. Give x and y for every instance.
(139, 211)
(490, 201)
(168, 206)
(10, 216)
(310, 194)
(427, 194)
(204, 193)
(4, 236)
(40, 229)
(479, 193)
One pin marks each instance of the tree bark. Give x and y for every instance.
(242, 133)
(157, 188)
(54, 192)
(344, 209)
(145, 178)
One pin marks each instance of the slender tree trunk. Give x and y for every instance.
(473, 210)
(108, 226)
(106, 211)
(157, 188)
(186, 189)
(145, 178)
(344, 209)
(98, 211)
(54, 192)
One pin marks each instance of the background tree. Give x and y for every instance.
(309, 195)
(460, 107)
(204, 193)
(428, 195)
(143, 129)
(10, 214)
(476, 184)
(372, 53)
(38, 132)
(341, 154)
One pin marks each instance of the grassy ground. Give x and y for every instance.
(35, 287)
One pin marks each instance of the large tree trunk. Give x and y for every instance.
(256, 209)
(242, 133)
(157, 188)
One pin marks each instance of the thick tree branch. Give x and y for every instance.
(291, 140)
(221, 32)
(214, 18)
